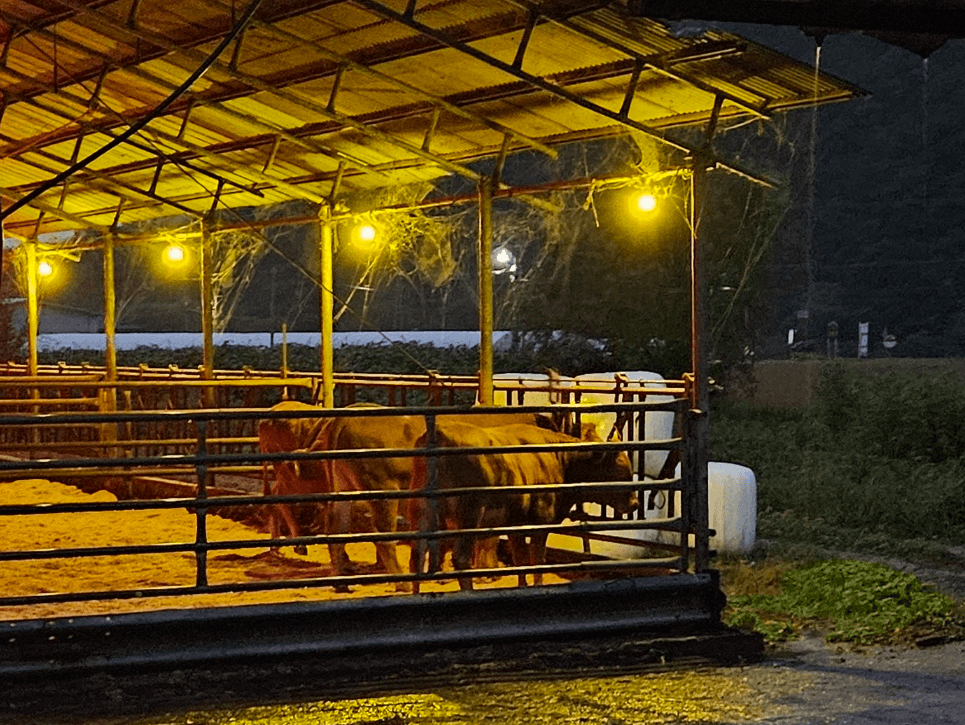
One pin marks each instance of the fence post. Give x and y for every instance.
(201, 509)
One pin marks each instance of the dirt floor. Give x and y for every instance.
(104, 573)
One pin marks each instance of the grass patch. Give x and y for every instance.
(849, 601)
(875, 459)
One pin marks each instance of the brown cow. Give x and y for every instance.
(286, 435)
(368, 474)
(283, 435)
(505, 470)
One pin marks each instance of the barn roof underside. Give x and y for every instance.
(315, 97)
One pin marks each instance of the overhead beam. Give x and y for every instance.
(267, 87)
(939, 17)
(54, 211)
(195, 99)
(147, 149)
(388, 13)
(436, 101)
(664, 63)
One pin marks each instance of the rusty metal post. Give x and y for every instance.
(326, 307)
(207, 312)
(108, 394)
(485, 291)
(110, 323)
(700, 392)
(33, 306)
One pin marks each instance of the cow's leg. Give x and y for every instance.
(419, 548)
(340, 522)
(462, 556)
(386, 521)
(521, 553)
(282, 513)
(538, 554)
(486, 554)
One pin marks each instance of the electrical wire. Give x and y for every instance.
(141, 123)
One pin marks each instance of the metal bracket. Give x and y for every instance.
(631, 88)
(524, 41)
(431, 131)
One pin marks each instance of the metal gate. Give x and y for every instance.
(661, 583)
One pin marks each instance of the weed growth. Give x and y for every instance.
(853, 601)
(877, 459)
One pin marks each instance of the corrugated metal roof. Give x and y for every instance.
(314, 85)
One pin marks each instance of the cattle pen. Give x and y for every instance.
(194, 129)
(206, 464)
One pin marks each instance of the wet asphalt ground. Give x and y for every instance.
(805, 683)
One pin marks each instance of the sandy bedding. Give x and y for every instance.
(112, 573)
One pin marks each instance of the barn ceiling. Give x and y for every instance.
(313, 99)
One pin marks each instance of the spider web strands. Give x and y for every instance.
(386, 12)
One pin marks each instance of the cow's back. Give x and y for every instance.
(278, 435)
(389, 432)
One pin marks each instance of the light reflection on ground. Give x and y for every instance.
(720, 695)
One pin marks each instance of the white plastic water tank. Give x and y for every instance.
(503, 381)
(658, 425)
(731, 508)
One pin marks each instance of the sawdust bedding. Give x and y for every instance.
(114, 573)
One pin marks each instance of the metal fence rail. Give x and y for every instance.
(203, 463)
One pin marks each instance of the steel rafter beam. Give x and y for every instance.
(102, 181)
(264, 86)
(436, 101)
(468, 31)
(269, 13)
(509, 90)
(389, 14)
(119, 120)
(54, 211)
(938, 17)
(185, 106)
(159, 156)
(708, 51)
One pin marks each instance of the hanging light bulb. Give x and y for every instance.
(646, 202)
(174, 253)
(366, 233)
(44, 268)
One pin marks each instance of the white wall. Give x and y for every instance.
(175, 340)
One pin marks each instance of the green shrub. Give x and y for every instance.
(882, 454)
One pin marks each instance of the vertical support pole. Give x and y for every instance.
(201, 509)
(110, 321)
(108, 394)
(700, 393)
(326, 307)
(485, 291)
(33, 326)
(207, 312)
(33, 306)
(698, 344)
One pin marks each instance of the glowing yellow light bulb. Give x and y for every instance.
(646, 202)
(174, 253)
(367, 233)
(44, 268)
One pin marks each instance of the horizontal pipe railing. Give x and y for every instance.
(670, 524)
(204, 463)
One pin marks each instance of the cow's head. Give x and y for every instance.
(594, 466)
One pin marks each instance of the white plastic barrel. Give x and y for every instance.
(731, 508)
